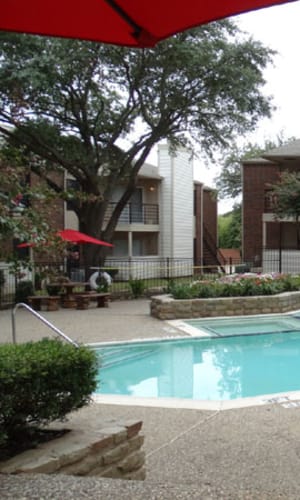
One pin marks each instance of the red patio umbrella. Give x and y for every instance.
(74, 237)
(78, 237)
(136, 23)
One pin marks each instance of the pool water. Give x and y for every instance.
(246, 325)
(215, 368)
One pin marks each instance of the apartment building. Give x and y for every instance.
(269, 244)
(169, 216)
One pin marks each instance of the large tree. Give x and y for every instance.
(97, 110)
(229, 182)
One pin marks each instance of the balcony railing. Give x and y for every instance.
(135, 213)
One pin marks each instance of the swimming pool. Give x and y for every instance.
(218, 367)
(241, 325)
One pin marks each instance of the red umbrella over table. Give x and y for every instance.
(134, 23)
(78, 237)
(72, 236)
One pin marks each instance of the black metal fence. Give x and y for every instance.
(156, 272)
(281, 260)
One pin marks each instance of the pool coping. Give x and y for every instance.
(287, 399)
(181, 324)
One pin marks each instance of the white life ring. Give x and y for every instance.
(95, 276)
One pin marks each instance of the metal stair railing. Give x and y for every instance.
(41, 318)
(213, 249)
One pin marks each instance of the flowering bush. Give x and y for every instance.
(238, 285)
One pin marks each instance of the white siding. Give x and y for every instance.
(176, 203)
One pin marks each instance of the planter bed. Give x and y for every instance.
(166, 307)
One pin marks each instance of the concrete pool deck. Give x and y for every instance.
(245, 453)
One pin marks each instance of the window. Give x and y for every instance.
(270, 201)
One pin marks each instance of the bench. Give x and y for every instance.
(102, 298)
(83, 299)
(50, 301)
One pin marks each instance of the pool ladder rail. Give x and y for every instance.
(42, 319)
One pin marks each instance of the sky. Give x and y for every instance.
(278, 28)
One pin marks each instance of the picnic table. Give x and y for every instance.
(69, 294)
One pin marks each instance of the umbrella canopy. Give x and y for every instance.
(78, 237)
(74, 237)
(134, 23)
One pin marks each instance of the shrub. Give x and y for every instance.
(23, 290)
(137, 287)
(41, 382)
(102, 285)
(181, 291)
(205, 290)
(53, 289)
(237, 286)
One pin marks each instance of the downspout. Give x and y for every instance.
(172, 207)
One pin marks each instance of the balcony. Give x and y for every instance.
(135, 213)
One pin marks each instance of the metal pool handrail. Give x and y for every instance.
(41, 318)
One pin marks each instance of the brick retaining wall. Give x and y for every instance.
(114, 451)
(165, 307)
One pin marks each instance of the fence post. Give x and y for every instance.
(280, 247)
(168, 269)
(130, 277)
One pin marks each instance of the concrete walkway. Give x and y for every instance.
(248, 453)
(122, 320)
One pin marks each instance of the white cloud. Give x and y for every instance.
(278, 28)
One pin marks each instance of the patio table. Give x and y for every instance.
(68, 295)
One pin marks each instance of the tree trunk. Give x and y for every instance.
(91, 216)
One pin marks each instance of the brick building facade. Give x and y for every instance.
(261, 231)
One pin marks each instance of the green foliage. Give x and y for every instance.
(41, 382)
(170, 285)
(286, 194)
(53, 290)
(38, 278)
(137, 287)
(23, 290)
(18, 217)
(102, 283)
(229, 182)
(286, 197)
(181, 291)
(238, 286)
(72, 102)
(229, 228)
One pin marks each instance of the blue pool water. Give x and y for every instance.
(208, 368)
(247, 325)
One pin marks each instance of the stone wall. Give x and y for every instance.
(114, 450)
(165, 307)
